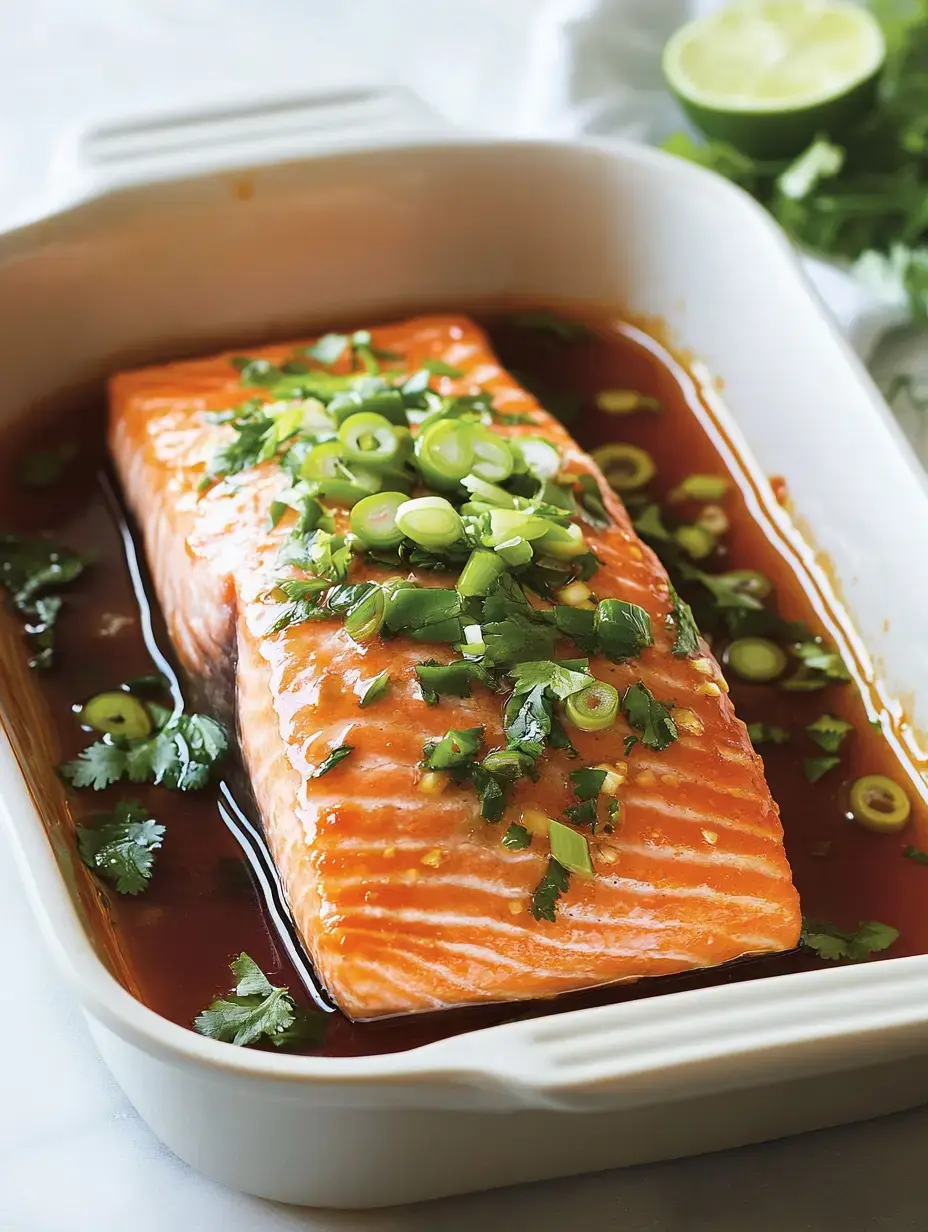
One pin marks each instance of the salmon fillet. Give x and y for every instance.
(407, 900)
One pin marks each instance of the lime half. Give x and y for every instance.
(769, 75)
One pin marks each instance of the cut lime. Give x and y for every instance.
(769, 75)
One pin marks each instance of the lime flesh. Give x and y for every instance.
(769, 75)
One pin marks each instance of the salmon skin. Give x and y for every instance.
(405, 896)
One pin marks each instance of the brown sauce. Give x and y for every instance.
(202, 906)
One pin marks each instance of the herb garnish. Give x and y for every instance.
(120, 846)
(649, 716)
(455, 748)
(833, 943)
(561, 328)
(913, 853)
(553, 884)
(332, 760)
(815, 768)
(516, 838)
(30, 568)
(681, 618)
(375, 690)
(767, 733)
(181, 754)
(820, 667)
(258, 1010)
(829, 732)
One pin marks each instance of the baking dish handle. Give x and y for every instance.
(95, 160)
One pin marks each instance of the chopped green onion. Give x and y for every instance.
(480, 572)
(493, 462)
(117, 714)
(370, 439)
(538, 456)
(508, 764)
(506, 524)
(624, 401)
(700, 488)
(488, 492)
(879, 804)
(593, 708)
(430, 521)
(570, 849)
(364, 620)
(745, 582)
(386, 402)
(625, 467)
(346, 491)
(445, 452)
(473, 646)
(323, 461)
(455, 748)
(373, 519)
(515, 552)
(696, 541)
(562, 542)
(756, 659)
(376, 689)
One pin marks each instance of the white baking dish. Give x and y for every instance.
(144, 255)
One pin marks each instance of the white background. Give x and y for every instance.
(73, 1155)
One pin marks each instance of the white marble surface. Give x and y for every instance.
(73, 1154)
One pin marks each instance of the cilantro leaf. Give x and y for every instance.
(820, 667)
(120, 846)
(587, 782)
(592, 506)
(681, 617)
(516, 838)
(913, 853)
(332, 760)
(829, 732)
(449, 679)
(623, 629)
(553, 884)
(629, 743)
(30, 567)
(180, 755)
(375, 690)
(455, 748)
(815, 768)
(767, 733)
(528, 721)
(256, 1010)
(833, 944)
(548, 674)
(650, 717)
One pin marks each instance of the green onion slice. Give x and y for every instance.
(370, 439)
(506, 524)
(117, 714)
(445, 452)
(480, 572)
(489, 493)
(493, 462)
(626, 467)
(323, 461)
(364, 620)
(570, 849)
(756, 659)
(430, 521)
(593, 708)
(701, 488)
(373, 519)
(562, 542)
(539, 457)
(879, 804)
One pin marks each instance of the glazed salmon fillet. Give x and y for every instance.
(404, 894)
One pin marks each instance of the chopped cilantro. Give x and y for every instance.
(547, 674)
(623, 629)
(332, 760)
(529, 721)
(455, 748)
(516, 837)
(120, 846)
(629, 743)
(30, 567)
(833, 944)
(650, 526)
(681, 617)
(592, 506)
(767, 733)
(820, 667)
(913, 853)
(181, 755)
(815, 768)
(258, 1010)
(652, 718)
(587, 782)
(449, 679)
(553, 884)
(829, 732)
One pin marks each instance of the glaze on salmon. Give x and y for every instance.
(406, 898)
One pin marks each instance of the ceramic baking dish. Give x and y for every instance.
(165, 237)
